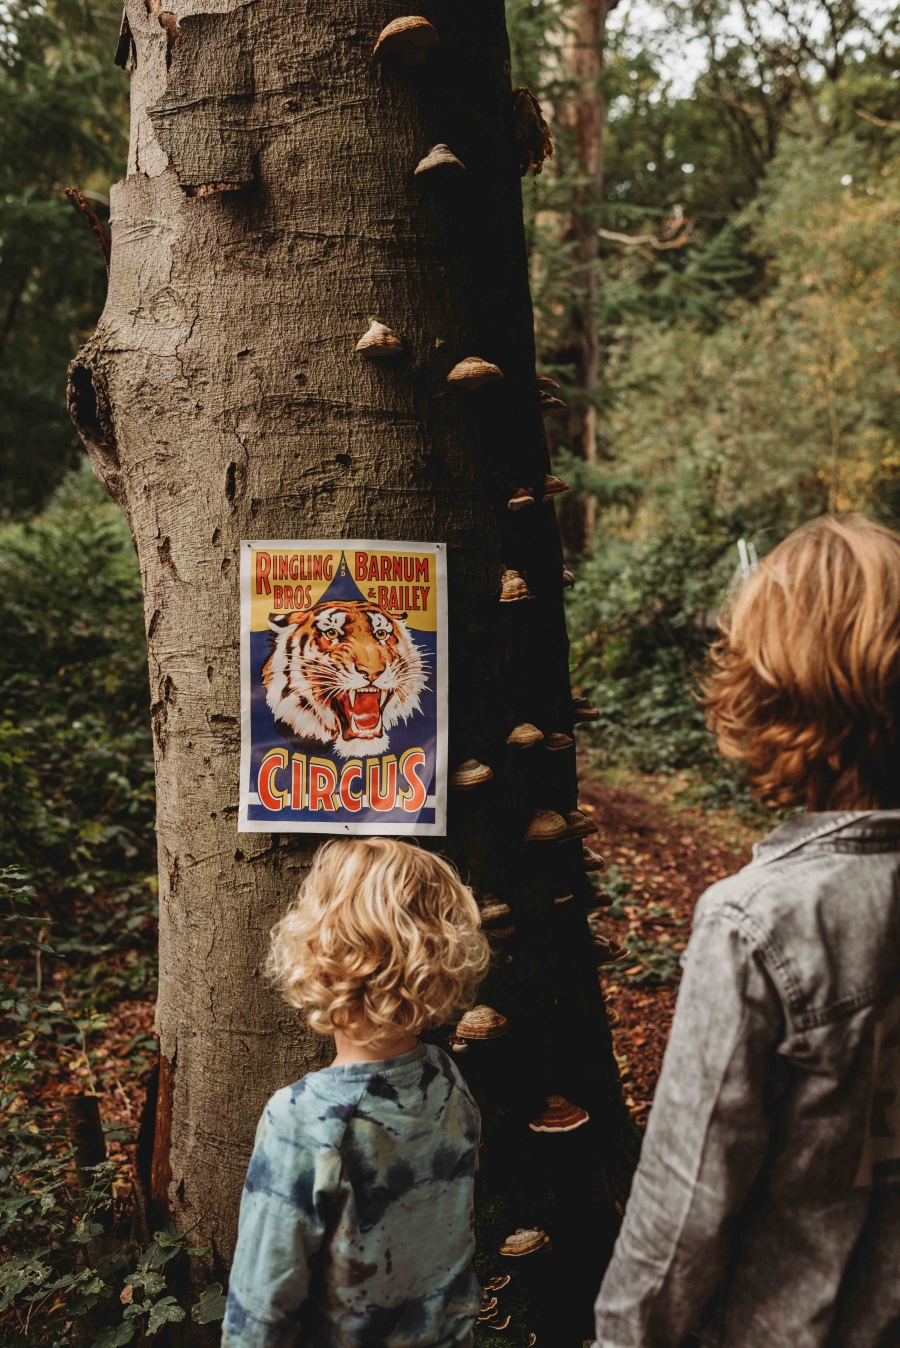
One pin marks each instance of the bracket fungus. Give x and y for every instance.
(568, 578)
(513, 588)
(497, 1283)
(545, 826)
(532, 1340)
(482, 1022)
(469, 774)
(578, 825)
(554, 486)
(602, 900)
(459, 1045)
(499, 1325)
(472, 372)
(379, 342)
(525, 1241)
(441, 160)
(560, 1116)
(593, 861)
(524, 736)
(488, 1307)
(608, 951)
(544, 382)
(550, 405)
(563, 898)
(407, 38)
(494, 909)
(558, 741)
(582, 710)
(520, 497)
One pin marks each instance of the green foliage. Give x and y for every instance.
(69, 1271)
(63, 122)
(77, 917)
(642, 612)
(75, 1283)
(76, 784)
(211, 1305)
(748, 313)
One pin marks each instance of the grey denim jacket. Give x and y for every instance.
(765, 1212)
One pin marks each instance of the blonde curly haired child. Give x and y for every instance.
(356, 1222)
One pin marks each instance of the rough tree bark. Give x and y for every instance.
(583, 114)
(270, 209)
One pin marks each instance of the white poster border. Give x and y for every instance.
(439, 828)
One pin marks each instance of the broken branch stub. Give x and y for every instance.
(77, 201)
(533, 136)
(126, 52)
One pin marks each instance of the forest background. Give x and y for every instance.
(728, 259)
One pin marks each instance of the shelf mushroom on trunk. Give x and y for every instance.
(407, 38)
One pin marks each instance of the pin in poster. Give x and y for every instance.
(343, 687)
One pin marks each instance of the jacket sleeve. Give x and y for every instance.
(705, 1143)
(292, 1181)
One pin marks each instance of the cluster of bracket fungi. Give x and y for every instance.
(490, 1314)
(405, 42)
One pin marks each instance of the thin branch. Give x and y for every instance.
(648, 240)
(877, 121)
(77, 200)
(746, 108)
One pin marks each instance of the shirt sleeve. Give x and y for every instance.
(292, 1181)
(705, 1143)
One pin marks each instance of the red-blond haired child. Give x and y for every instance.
(765, 1212)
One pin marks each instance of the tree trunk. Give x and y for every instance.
(270, 210)
(583, 114)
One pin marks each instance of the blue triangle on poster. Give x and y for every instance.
(343, 587)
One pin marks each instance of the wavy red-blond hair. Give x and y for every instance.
(806, 687)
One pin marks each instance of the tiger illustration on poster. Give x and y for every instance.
(344, 672)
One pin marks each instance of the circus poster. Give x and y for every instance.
(343, 687)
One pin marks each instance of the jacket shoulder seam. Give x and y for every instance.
(774, 956)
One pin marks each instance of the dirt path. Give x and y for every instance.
(660, 856)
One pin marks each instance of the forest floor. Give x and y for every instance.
(81, 1016)
(661, 851)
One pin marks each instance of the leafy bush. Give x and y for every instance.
(76, 767)
(644, 615)
(77, 923)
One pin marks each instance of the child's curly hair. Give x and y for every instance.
(806, 687)
(383, 930)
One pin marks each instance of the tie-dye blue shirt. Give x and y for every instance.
(357, 1215)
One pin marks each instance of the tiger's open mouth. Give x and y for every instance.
(359, 712)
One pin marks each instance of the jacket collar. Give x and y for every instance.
(807, 828)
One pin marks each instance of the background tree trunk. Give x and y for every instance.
(582, 112)
(269, 211)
